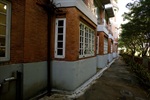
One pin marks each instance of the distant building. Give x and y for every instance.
(83, 37)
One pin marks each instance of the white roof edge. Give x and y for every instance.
(80, 5)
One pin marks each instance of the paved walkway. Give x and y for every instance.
(117, 83)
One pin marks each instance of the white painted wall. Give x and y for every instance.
(70, 75)
(110, 57)
(102, 61)
(34, 78)
(114, 54)
(8, 92)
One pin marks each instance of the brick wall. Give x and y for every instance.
(28, 37)
(109, 45)
(73, 19)
(101, 43)
(17, 31)
(35, 38)
(29, 32)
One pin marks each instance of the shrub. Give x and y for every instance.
(141, 72)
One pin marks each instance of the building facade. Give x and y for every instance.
(82, 37)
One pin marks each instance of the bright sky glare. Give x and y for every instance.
(122, 8)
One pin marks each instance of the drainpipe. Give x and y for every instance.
(48, 10)
(49, 86)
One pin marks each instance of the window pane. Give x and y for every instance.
(2, 51)
(60, 30)
(2, 19)
(59, 51)
(60, 23)
(80, 52)
(60, 37)
(2, 30)
(3, 8)
(2, 41)
(60, 45)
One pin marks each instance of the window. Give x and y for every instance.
(60, 33)
(105, 45)
(111, 47)
(5, 30)
(87, 41)
(97, 45)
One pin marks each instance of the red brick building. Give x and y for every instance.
(81, 39)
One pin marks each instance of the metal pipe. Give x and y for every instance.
(50, 9)
(19, 86)
(48, 53)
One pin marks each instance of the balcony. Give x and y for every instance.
(107, 4)
(109, 10)
(111, 37)
(102, 28)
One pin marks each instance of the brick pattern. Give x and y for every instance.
(35, 38)
(17, 31)
(109, 45)
(28, 37)
(29, 33)
(101, 43)
(73, 19)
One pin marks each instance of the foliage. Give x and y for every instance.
(135, 34)
(116, 0)
(142, 73)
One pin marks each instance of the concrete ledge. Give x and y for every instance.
(102, 61)
(115, 55)
(9, 88)
(70, 75)
(80, 90)
(110, 57)
(34, 78)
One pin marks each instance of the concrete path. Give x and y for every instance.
(116, 83)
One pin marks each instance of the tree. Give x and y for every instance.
(136, 33)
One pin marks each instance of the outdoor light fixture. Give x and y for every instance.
(5, 7)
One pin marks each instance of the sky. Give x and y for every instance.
(122, 9)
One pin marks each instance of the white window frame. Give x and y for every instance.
(97, 51)
(8, 28)
(87, 40)
(111, 47)
(93, 42)
(105, 45)
(64, 38)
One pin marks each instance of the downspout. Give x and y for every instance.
(49, 16)
(49, 86)
(50, 9)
